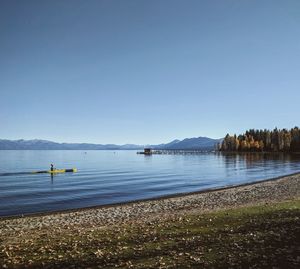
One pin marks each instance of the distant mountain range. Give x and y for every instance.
(197, 143)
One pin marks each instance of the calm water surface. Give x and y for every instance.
(106, 177)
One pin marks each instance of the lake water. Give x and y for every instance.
(107, 177)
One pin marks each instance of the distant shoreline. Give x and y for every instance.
(195, 150)
(39, 144)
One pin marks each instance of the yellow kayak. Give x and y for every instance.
(56, 171)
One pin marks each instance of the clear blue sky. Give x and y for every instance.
(147, 71)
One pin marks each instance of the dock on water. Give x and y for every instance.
(148, 151)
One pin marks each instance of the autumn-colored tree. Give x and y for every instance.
(261, 145)
(263, 140)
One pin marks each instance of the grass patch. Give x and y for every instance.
(262, 236)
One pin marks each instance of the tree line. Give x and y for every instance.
(277, 140)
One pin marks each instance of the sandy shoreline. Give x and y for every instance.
(267, 191)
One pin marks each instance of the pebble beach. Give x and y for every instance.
(268, 191)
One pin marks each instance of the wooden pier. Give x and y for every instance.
(174, 152)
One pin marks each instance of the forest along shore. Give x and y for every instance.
(201, 228)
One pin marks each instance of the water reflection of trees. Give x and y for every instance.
(255, 159)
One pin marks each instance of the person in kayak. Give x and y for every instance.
(52, 168)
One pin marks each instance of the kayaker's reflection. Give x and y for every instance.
(52, 175)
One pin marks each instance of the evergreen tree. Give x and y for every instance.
(263, 140)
